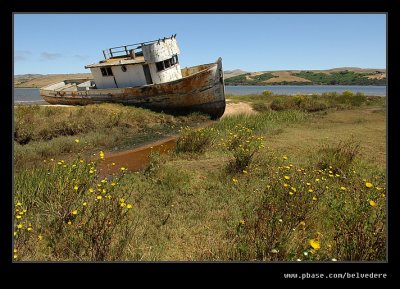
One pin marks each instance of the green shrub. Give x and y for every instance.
(267, 93)
(242, 144)
(195, 140)
(338, 157)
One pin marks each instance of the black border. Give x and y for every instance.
(266, 271)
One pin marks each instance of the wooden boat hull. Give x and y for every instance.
(201, 88)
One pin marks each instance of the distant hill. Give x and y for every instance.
(40, 80)
(334, 76)
(231, 73)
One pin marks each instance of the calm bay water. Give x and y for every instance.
(27, 95)
(31, 95)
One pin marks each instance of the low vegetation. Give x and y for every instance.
(289, 184)
(48, 132)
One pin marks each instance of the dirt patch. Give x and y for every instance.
(238, 108)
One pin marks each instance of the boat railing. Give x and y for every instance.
(132, 50)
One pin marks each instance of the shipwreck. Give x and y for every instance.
(146, 75)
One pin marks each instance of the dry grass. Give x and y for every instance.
(40, 81)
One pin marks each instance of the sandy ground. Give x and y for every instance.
(238, 108)
(231, 108)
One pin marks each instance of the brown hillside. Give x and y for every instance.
(43, 80)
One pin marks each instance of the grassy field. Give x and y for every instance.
(297, 181)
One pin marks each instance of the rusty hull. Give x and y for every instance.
(200, 89)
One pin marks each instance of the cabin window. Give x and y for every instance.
(109, 71)
(123, 68)
(160, 65)
(167, 63)
(106, 71)
(176, 58)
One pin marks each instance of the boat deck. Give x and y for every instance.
(117, 61)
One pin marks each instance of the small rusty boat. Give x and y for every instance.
(146, 75)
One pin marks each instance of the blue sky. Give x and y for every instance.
(65, 43)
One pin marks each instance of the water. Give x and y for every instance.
(305, 89)
(31, 95)
(27, 95)
(135, 159)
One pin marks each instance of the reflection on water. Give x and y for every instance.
(136, 159)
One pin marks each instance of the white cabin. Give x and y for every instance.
(139, 64)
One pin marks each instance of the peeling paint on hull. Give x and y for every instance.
(200, 89)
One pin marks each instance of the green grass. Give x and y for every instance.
(311, 190)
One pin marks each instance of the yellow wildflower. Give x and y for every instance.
(369, 185)
(40, 237)
(122, 205)
(15, 256)
(286, 177)
(18, 217)
(235, 181)
(112, 184)
(315, 244)
(84, 204)
(122, 169)
(244, 171)
(74, 212)
(343, 188)
(291, 193)
(378, 188)
(293, 189)
(91, 190)
(314, 198)
(302, 223)
(129, 206)
(69, 223)
(29, 229)
(81, 161)
(99, 197)
(241, 222)
(372, 203)
(308, 184)
(122, 200)
(19, 226)
(285, 185)
(113, 164)
(75, 187)
(285, 157)
(19, 204)
(310, 190)
(77, 140)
